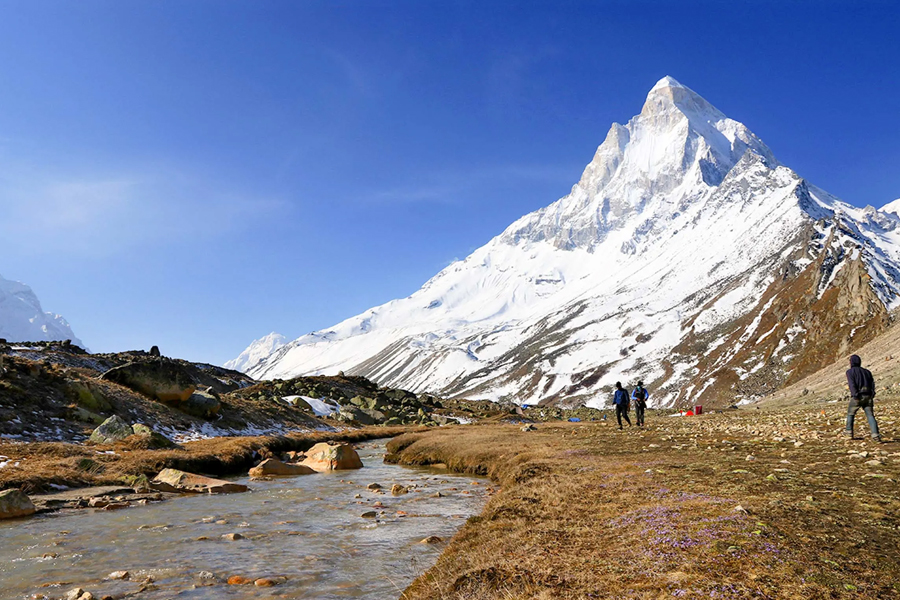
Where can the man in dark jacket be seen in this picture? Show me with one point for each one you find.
(862, 396)
(620, 400)
(639, 396)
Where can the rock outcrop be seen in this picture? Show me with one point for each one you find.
(160, 379)
(14, 503)
(332, 457)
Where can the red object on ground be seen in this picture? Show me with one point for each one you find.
(698, 410)
(689, 413)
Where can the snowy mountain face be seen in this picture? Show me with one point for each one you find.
(256, 352)
(892, 207)
(23, 320)
(686, 256)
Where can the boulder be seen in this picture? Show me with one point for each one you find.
(161, 379)
(376, 415)
(201, 404)
(332, 457)
(273, 466)
(173, 480)
(352, 413)
(14, 503)
(298, 402)
(157, 440)
(111, 430)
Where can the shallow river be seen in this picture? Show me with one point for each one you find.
(308, 529)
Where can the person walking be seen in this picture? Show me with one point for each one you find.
(620, 400)
(639, 396)
(862, 396)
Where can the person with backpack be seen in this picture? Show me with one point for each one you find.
(620, 400)
(639, 395)
(862, 396)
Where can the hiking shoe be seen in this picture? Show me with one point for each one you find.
(848, 435)
(876, 439)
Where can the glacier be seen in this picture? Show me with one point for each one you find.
(686, 256)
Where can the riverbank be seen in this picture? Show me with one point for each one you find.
(41, 467)
(742, 504)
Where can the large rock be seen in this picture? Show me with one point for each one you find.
(298, 402)
(161, 379)
(201, 404)
(332, 457)
(14, 503)
(173, 480)
(156, 440)
(352, 413)
(273, 466)
(111, 430)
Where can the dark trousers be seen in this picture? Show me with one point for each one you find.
(866, 403)
(639, 415)
(622, 411)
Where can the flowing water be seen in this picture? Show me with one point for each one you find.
(307, 529)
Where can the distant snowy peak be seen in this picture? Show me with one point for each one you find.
(256, 351)
(892, 207)
(23, 320)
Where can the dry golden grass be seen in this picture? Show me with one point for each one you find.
(76, 465)
(587, 511)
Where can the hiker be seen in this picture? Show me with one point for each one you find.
(621, 401)
(639, 395)
(862, 396)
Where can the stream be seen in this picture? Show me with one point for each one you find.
(307, 530)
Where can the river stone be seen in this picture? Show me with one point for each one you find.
(173, 480)
(398, 489)
(432, 539)
(273, 466)
(111, 430)
(332, 457)
(201, 404)
(14, 503)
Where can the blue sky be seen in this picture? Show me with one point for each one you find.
(198, 173)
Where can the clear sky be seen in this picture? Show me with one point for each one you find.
(198, 173)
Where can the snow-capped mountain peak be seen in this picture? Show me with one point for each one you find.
(23, 320)
(892, 207)
(256, 351)
(686, 256)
